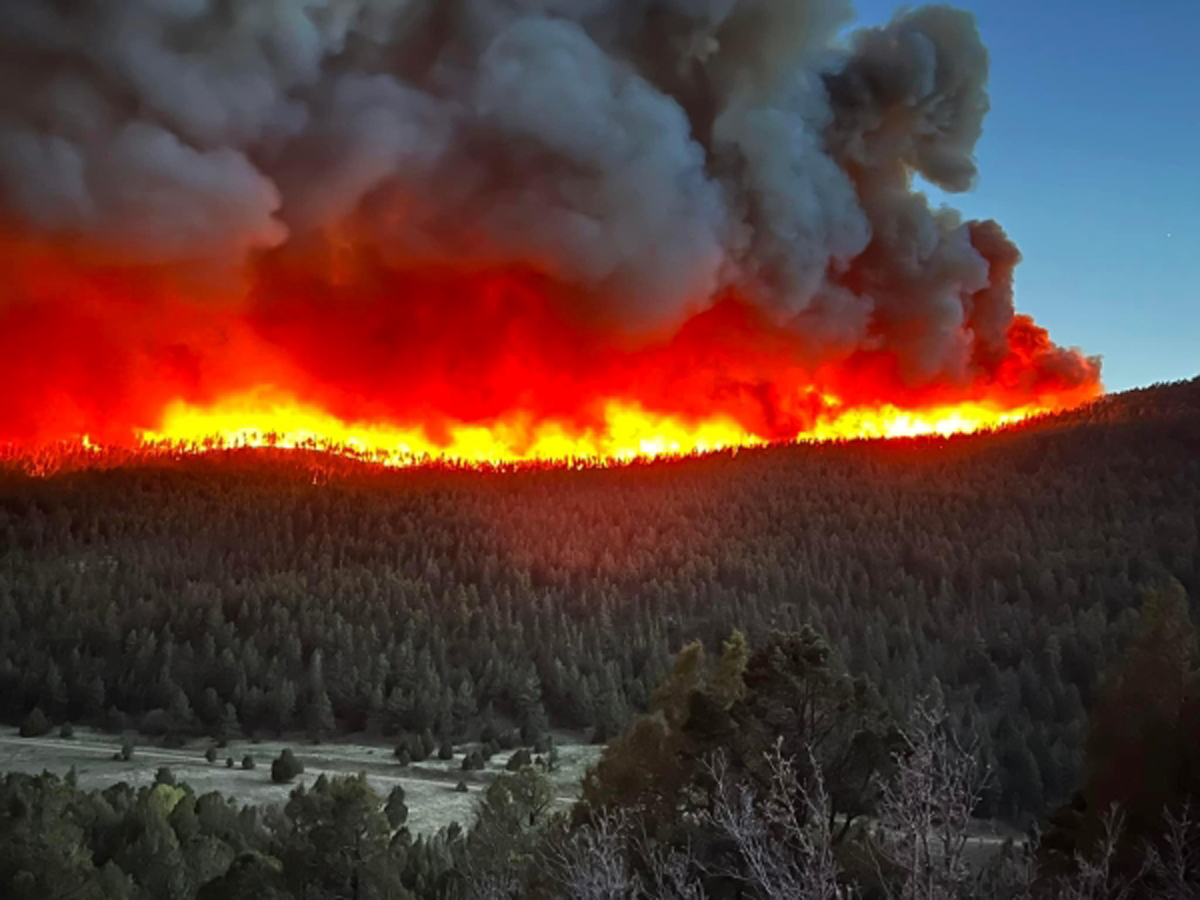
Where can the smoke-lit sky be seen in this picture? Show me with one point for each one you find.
(1091, 157)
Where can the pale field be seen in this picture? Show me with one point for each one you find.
(428, 786)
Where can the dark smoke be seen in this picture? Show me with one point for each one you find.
(650, 155)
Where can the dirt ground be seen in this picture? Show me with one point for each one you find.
(429, 786)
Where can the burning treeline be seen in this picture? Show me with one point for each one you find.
(501, 228)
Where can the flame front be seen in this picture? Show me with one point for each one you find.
(261, 420)
(625, 432)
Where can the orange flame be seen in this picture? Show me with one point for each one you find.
(261, 420)
(627, 432)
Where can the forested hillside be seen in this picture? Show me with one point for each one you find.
(263, 590)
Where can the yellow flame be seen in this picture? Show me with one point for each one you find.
(893, 422)
(627, 432)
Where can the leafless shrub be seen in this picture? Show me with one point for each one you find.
(492, 885)
(1094, 878)
(1173, 868)
(1012, 874)
(671, 874)
(592, 862)
(784, 839)
(925, 812)
(596, 861)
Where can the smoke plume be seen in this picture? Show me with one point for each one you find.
(437, 211)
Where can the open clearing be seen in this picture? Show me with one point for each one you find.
(429, 786)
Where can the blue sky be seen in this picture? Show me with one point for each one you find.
(1090, 159)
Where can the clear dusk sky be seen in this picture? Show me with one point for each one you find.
(1090, 159)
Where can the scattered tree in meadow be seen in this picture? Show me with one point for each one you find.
(35, 724)
(286, 767)
(395, 808)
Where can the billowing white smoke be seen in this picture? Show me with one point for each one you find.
(652, 150)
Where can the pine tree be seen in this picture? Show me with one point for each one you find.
(319, 716)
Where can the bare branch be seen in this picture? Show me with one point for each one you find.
(592, 862)
(1173, 870)
(925, 811)
(492, 885)
(1094, 878)
(785, 839)
(671, 874)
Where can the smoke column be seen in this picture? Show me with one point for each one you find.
(435, 213)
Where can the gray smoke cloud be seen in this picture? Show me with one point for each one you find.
(655, 151)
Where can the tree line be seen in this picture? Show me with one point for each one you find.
(763, 773)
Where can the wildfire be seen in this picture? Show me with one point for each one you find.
(891, 422)
(530, 243)
(508, 378)
(625, 432)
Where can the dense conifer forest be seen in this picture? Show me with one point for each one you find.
(815, 629)
(276, 591)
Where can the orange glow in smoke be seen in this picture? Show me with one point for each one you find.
(407, 364)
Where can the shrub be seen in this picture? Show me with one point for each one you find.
(428, 744)
(395, 808)
(418, 749)
(286, 767)
(446, 751)
(248, 763)
(229, 762)
(156, 723)
(115, 720)
(67, 731)
(473, 761)
(164, 776)
(211, 754)
(532, 733)
(36, 724)
(519, 760)
(461, 787)
(402, 755)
